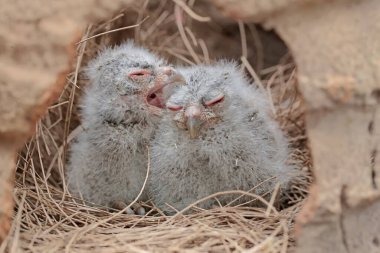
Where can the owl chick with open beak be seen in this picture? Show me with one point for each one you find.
(120, 111)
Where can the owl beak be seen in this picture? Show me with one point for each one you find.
(170, 76)
(167, 79)
(194, 126)
(174, 79)
(193, 121)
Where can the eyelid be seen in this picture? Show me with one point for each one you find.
(173, 107)
(140, 73)
(215, 101)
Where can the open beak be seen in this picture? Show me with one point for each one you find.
(193, 121)
(166, 80)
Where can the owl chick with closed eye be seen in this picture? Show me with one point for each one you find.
(120, 110)
(218, 135)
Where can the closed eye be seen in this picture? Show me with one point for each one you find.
(215, 101)
(140, 73)
(174, 107)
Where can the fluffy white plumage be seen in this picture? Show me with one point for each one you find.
(236, 144)
(108, 161)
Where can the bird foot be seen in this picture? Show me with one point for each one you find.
(136, 208)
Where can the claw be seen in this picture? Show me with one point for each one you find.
(120, 205)
(138, 209)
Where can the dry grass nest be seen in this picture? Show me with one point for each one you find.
(48, 219)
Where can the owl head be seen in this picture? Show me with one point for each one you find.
(127, 84)
(212, 94)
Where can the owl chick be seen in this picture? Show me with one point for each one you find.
(120, 110)
(217, 136)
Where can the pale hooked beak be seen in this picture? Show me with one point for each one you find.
(171, 75)
(193, 121)
(174, 79)
(166, 80)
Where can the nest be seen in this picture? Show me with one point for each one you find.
(48, 219)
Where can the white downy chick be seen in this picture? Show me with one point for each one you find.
(219, 136)
(120, 110)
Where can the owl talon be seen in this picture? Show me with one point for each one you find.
(138, 209)
(120, 205)
(129, 211)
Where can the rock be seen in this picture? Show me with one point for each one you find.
(37, 44)
(336, 48)
(257, 10)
